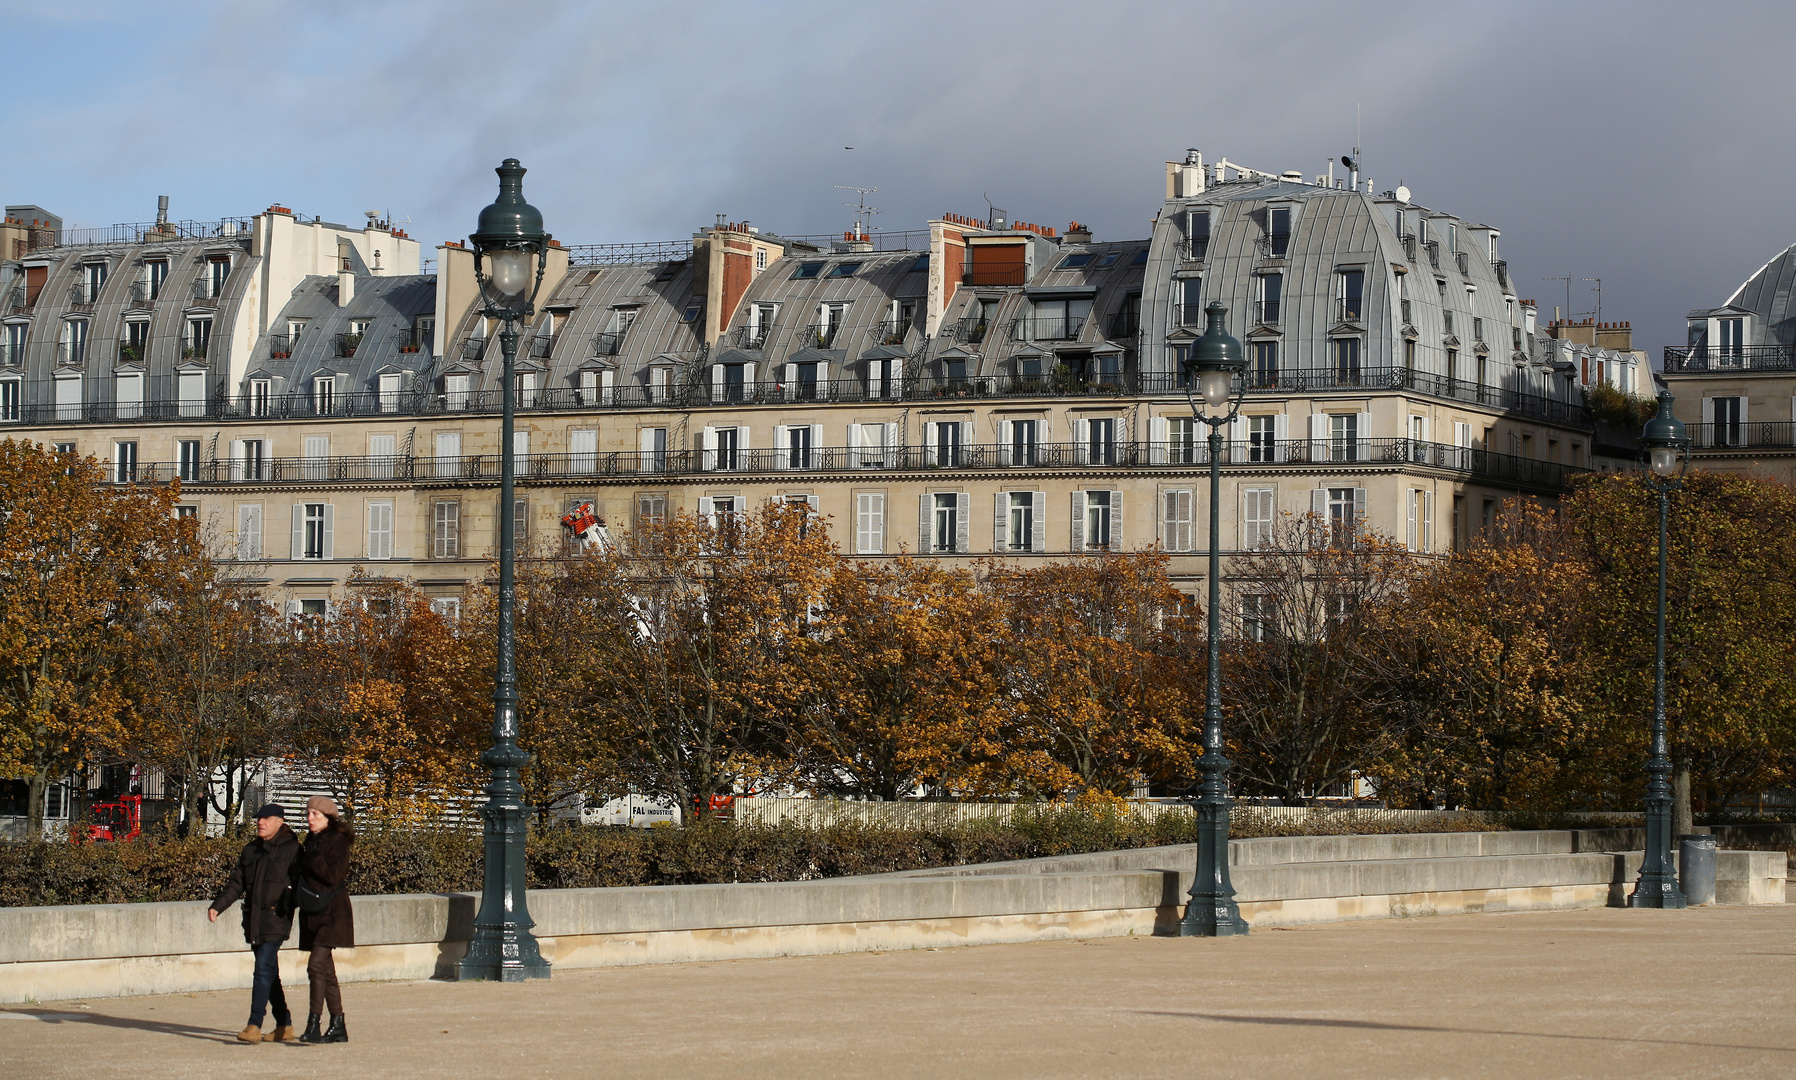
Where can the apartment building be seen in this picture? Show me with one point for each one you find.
(976, 388)
(1735, 378)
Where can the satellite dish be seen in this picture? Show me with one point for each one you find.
(1402, 193)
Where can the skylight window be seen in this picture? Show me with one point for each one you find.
(807, 270)
(1074, 262)
(1140, 258)
(1109, 259)
(922, 263)
(844, 269)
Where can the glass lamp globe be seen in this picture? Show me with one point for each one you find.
(510, 270)
(1664, 460)
(1214, 385)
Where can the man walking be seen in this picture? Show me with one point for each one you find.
(261, 879)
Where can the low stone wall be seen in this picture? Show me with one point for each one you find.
(106, 950)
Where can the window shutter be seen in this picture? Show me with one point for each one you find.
(1004, 442)
(1427, 521)
(1319, 503)
(645, 440)
(876, 378)
(293, 609)
(1362, 431)
(925, 519)
(249, 533)
(1318, 437)
(330, 520)
(1078, 523)
(790, 376)
(705, 509)
(1001, 522)
(742, 437)
(716, 382)
(963, 512)
(748, 379)
(238, 457)
(1236, 450)
(1281, 434)
(1156, 440)
(811, 501)
(1038, 536)
(966, 439)
(1116, 521)
(1427, 425)
(708, 443)
(1081, 441)
(889, 443)
(782, 447)
(299, 531)
(929, 437)
(607, 390)
(1359, 510)
(1414, 500)
(816, 444)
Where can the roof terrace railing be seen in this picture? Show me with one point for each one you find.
(1684, 359)
(650, 251)
(150, 232)
(990, 457)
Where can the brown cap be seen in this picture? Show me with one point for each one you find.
(325, 805)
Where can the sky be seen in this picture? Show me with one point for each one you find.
(1605, 140)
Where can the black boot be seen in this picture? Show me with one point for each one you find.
(337, 1033)
(311, 1035)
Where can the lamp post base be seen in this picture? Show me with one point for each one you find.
(505, 957)
(1660, 893)
(1212, 911)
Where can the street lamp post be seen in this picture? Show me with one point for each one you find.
(509, 239)
(1212, 368)
(1668, 455)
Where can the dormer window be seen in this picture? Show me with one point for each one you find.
(1074, 262)
(218, 270)
(324, 394)
(1278, 231)
(807, 270)
(155, 272)
(1197, 234)
(93, 278)
(261, 396)
(842, 270)
(1350, 286)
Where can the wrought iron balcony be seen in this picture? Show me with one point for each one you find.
(347, 344)
(1682, 359)
(80, 298)
(820, 335)
(1195, 248)
(1434, 254)
(280, 346)
(413, 340)
(473, 348)
(608, 343)
(970, 330)
(1349, 309)
(891, 331)
(203, 296)
(1045, 328)
(1409, 246)
(141, 297)
(133, 352)
(19, 301)
(1124, 325)
(1276, 246)
(751, 336)
(1755, 435)
(1267, 312)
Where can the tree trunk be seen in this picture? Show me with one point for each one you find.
(1681, 819)
(35, 784)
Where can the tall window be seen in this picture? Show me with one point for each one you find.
(74, 337)
(1345, 506)
(798, 447)
(93, 280)
(653, 446)
(324, 394)
(1343, 437)
(946, 523)
(1100, 446)
(12, 351)
(1191, 301)
(651, 509)
(380, 530)
(1197, 231)
(869, 523)
(871, 440)
(1350, 288)
(1733, 338)
(1020, 526)
(1278, 231)
(220, 271)
(445, 541)
(199, 339)
(1097, 519)
(1265, 364)
(188, 451)
(1727, 429)
(261, 396)
(1259, 616)
(1022, 441)
(313, 531)
(1181, 440)
(155, 272)
(1270, 288)
(1346, 361)
(947, 444)
(1175, 520)
(1262, 438)
(9, 399)
(124, 462)
(728, 440)
(1258, 506)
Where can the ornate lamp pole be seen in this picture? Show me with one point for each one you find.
(509, 239)
(1668, 455)
(1214, 363)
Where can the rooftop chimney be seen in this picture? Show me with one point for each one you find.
(161, 211)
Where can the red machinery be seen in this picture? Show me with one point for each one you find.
(584, 522)
(120, 819)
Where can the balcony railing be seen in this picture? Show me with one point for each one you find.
(1124, 326)
(80, 298)
(11, 355)
(819, 336)
(132, 352)
(71, 353)
(751, 337)
(1349, 309)
(1267, 311)
(990, 457)
(1758, 434)
(203, 296)
(541, 346)
(473, 348)
(1501, 266)
(971, 330)
(1409, 246)
(1038, 328)
(19, 302)
(413, 340)
(1273, 247)
(280, 347)
(347, 344)
(1680, 359)
(891, 331)
(608, 343)
(1464, 260)
(141, 296)
(1434, 253)
(1195, 248)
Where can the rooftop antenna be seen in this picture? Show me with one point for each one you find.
(1599, 298)
(861, 209)
(1567, 279)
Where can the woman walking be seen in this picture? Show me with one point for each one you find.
(323, 869)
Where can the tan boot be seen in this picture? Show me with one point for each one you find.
(251, 1034)
(283, 1033)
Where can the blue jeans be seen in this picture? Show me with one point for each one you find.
(266, 989)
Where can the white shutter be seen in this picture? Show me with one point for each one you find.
(1038, 536)
(1156, 437)
(520, 445)
(1236, 450)
(299, 531)
(889, 445)
(1427, 521)
(742, 434)
(812, 502)
(607, 387)
(708, 444)
(293, 609)
(854, 445)
(1078, 522)
(929, 437)
(748, 380)
(1319, 504)
(645, 440)
(1426, 425)
(816, 445)
(583, 448)
(966, 439)
(716, 382)
(1359, 510)
(876, 378)
(1362, 442)
(782, 447)
(1318, 437)
(238, 457)
(1001, 522)
(963, 513)
(925, 513)
(249, 533)
(1004, 442)
(1116, 520)
(330, 521)
(1414, 499)
(1281, 435)
(705, 510)
(869, 524)
(790, 377)
(1081, 441)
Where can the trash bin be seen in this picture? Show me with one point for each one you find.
(1696, 868)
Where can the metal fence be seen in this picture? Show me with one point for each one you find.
(914, 814)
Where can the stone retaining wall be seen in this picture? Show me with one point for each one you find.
(106, 950)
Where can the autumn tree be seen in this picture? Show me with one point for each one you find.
(1299, 681)
(1088, 699)
(903, 679)
(80, 562)
(391, 704)
(1731, 629)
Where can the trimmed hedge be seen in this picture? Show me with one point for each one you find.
(152, 869)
